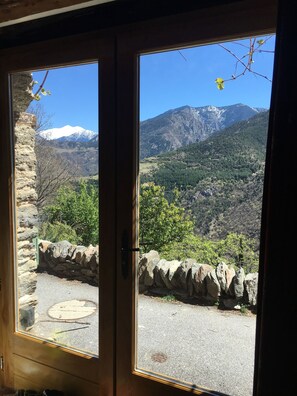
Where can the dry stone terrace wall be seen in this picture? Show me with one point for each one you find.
(189, 279)
(69, 261)
(186, 279)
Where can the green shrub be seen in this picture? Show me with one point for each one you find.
(239, 250)
(192, 246)
(79, 209)
(58, 232)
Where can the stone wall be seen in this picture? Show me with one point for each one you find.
(21, 92)
(185, 279)
(69, 261)
(26, 216)
(25, 196)
(189, 279)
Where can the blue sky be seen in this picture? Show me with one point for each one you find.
(167, 80)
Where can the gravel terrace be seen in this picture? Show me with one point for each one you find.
(197, 344)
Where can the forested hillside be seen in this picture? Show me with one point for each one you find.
(220, 179)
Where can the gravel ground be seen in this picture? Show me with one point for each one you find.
(196, 344)
(78, 333)
(203, 346)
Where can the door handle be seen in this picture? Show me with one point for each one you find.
(125, 251)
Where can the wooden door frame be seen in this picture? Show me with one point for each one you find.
(209, 25)
(52, 365)
(273, 373)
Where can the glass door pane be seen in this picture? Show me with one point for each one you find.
(202, 144)
(55, 119)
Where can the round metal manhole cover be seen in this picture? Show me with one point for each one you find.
(72, 309)
(159, 357)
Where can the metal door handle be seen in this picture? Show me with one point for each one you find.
(125, 251)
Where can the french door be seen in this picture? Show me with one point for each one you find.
(37, 363)
(41, 347)
(139, 368)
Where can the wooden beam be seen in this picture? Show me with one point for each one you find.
(11, 10)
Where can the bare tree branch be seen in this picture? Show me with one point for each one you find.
(52, 172)
(43, 119)
(246, 61)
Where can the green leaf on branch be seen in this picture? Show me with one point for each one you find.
(220, 83)
(45, 92)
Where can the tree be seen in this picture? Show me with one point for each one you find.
(79, 209)
(161, 222)
(43, 119)
(52, 173)
(239, 250)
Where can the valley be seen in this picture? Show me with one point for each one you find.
(213, 156)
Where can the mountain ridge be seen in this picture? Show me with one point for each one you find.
(186, 125)
(219, 178)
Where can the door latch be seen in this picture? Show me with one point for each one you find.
(125, 252)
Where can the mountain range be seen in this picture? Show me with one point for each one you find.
(215, 156)
(186, 125)
(166, 132)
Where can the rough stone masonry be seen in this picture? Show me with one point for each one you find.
(186, 279)
(26, 217)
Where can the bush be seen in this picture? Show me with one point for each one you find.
(193, 246)
(79, 209)
(58, 232)
(239, 250)
(236, 250)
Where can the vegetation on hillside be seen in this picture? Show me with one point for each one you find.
(216, 176)
(164, 226)
(202, 201)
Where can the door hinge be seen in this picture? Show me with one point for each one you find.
(2, 363)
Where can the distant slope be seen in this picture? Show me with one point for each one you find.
(220, 179)
(82, 157)
(185, 125)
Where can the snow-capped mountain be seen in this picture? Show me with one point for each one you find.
(68, 133)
